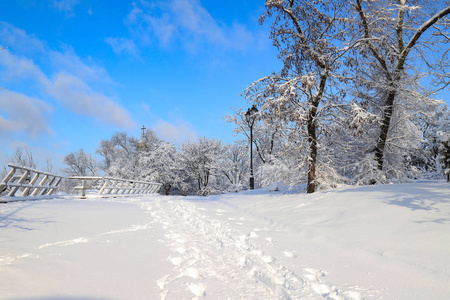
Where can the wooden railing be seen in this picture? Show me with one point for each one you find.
(23, 181)
(118, 186)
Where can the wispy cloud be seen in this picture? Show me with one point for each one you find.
(123, 46)
(23, 114)
(64, 5)
(75, 94)
(70, 81)
(185, 23)
(177, 133)
(175, 128)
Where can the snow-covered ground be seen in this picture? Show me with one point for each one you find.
(376, 242)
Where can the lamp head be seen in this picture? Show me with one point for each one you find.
(253, 110)
(250, 114)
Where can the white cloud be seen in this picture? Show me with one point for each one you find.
(65, 5)
(72, 83)
(20, 113)
(176, 133)
(73, 93)
(123, 45)
(185, 22)
(20, 68)
(69, 61)
(20, 41)
(192, 18)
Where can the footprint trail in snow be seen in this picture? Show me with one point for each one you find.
(214, 259)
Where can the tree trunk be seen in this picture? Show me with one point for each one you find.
(312, 138)
(167, 188)
(387, 116)
(311, 187)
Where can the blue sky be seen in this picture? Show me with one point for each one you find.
(76, 71)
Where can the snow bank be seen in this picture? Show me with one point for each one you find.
(389, 242)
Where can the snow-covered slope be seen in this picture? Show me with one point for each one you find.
(377, 242)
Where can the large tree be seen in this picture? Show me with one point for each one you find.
(312, 42)
(404, 44)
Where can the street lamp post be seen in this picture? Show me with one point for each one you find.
(250, 118)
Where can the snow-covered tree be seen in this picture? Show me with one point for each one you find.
(402, 46)
(23, 156)
(201, 161)
(234, 166)
(312, 42)
(80, 163)
(273, 155)
(159, 161)
(267, 133)
(443, 139)
(148, 158)
(120, 155)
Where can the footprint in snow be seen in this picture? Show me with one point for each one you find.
(253, 234)
(177, 261)
(162, 281)
(198, 290)
(321, 273)
(321, 289)
(353, 295)
(181, 250)
(192, 272)
(290, 254)
(267, 258)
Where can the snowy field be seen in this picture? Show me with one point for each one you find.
(376, 242)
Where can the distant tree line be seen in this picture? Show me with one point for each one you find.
(203, 167)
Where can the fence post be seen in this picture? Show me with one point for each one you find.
(50, 190)
(83, 190)
(26, 190)
(36, 190)
(104, 186)
(14, 189)
(8, 177)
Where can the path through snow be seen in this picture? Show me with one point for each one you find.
(222, 258)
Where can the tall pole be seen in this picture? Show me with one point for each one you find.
(252, 179)
(250, 118)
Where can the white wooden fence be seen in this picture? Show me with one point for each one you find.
(118, 187)
(23, 182)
